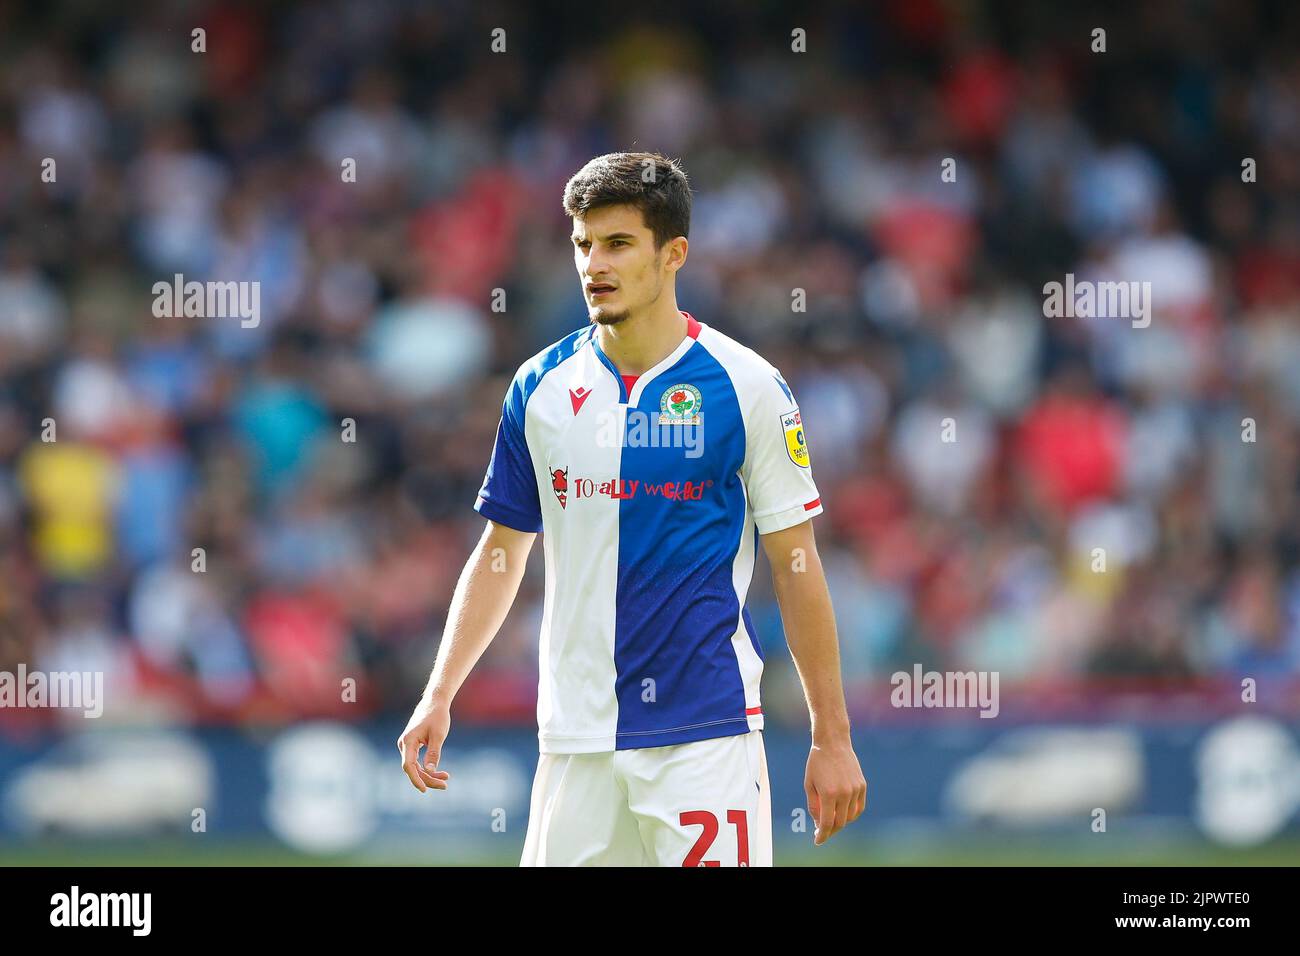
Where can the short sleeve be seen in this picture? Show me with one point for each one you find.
(509, 492)
(777, 471)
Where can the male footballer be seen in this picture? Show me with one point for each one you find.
(655, 452)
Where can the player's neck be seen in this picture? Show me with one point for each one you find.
(643, 340)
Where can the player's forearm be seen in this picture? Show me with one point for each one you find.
(483, 596)
(809, 620)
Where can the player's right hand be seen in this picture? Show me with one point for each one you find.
(428, 728)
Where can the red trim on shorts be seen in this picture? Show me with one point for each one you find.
(812, 504)
(750, 711)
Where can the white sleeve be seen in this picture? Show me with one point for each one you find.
(777, 471)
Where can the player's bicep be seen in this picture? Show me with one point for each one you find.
(783, 547)
(516, 544)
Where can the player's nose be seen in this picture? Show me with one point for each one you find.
(596, 267)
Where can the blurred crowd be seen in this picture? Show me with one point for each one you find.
(233, 521)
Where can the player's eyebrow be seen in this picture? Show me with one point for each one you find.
(609, 238)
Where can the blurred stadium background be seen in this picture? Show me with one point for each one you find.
(819, 171)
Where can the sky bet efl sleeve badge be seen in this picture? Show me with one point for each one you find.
(792, 424)
(680, 405)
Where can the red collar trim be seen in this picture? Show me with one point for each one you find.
(692, 326)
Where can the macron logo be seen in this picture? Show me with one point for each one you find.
(577, 396)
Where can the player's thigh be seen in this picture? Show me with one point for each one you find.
(578, 815)
(704, 803)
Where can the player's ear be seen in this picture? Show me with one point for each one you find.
(675, 253)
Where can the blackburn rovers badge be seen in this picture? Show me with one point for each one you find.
(680, 405)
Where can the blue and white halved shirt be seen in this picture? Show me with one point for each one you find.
(650, 492)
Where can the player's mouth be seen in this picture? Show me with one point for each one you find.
(597, 289)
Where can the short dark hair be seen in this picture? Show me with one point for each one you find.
(651, 182)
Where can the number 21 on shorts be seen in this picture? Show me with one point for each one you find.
(705, 819)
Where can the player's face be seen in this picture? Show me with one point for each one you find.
(619, 269)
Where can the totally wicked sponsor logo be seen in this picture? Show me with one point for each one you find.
(566, 488)
(560, 485)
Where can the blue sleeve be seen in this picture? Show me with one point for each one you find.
(509, 492)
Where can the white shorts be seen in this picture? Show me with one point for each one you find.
(704, 803)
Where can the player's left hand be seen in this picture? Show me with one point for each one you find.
(836, 788)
